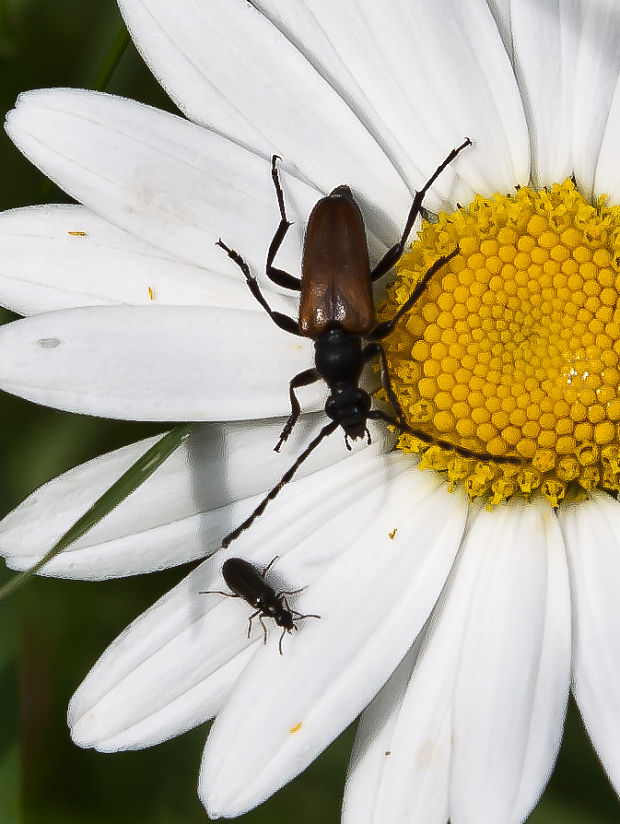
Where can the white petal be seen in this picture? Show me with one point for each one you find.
(592, 530)
(512, 685)
(347, 45)
(379, 59)
(545, 48)
(171, 183)
(412, 784)
(181, 513)
(439, 52)
(596, 79)
(500, 9)
(254, 85)
(155, 363)
(63, 256)
(174, 665)
(400, 761)
(607, 176)
(168, 671)
(372, 599)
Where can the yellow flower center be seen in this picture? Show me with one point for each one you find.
(513, 347)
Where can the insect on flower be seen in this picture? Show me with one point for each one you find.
(337, 311)
(248, 582)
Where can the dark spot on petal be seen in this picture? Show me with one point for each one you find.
(49, 343)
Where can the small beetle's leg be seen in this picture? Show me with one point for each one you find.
(325, 431)
(303, 379)
(250, 619)
(393, 255)
(382, 330)
(280, 642)
(373, 350)
(269, 565)
(283, 321)
(379, 415)
(283, 593)
(279, 276)
(294, 611)
(262, 623)
(300, 616)
(285, 600)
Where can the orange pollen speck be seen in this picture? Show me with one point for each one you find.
(296, 728)
(512, 350)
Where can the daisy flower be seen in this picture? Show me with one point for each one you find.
(458, 603)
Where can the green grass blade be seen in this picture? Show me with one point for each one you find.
(135, 476)
(105, 73)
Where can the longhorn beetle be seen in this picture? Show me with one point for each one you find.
(337, 311)
(248, 582)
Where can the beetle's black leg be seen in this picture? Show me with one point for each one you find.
(262, 623)
(300, 616)
(250, 619)
(373, 350)
(325, 431)
(279, 276)
(269, 565)
(393, 255)
(303, 379)
(283, 321)
(382, 330)
(379, 415)
(218, 592)
(286, 592)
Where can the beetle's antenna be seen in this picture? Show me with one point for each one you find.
(327, 430)
(379, 415)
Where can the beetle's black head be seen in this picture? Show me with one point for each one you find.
(342, 191)
(349, 407)
(284, 618)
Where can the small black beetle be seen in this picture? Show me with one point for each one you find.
(248, 582)
(337, 311)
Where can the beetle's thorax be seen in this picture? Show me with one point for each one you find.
(338, 356)
(268, 603)
(339, 361)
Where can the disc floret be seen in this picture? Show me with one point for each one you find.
(513, 348)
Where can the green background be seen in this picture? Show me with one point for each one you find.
(51, 632)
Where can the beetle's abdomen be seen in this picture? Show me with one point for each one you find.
(335, 279)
